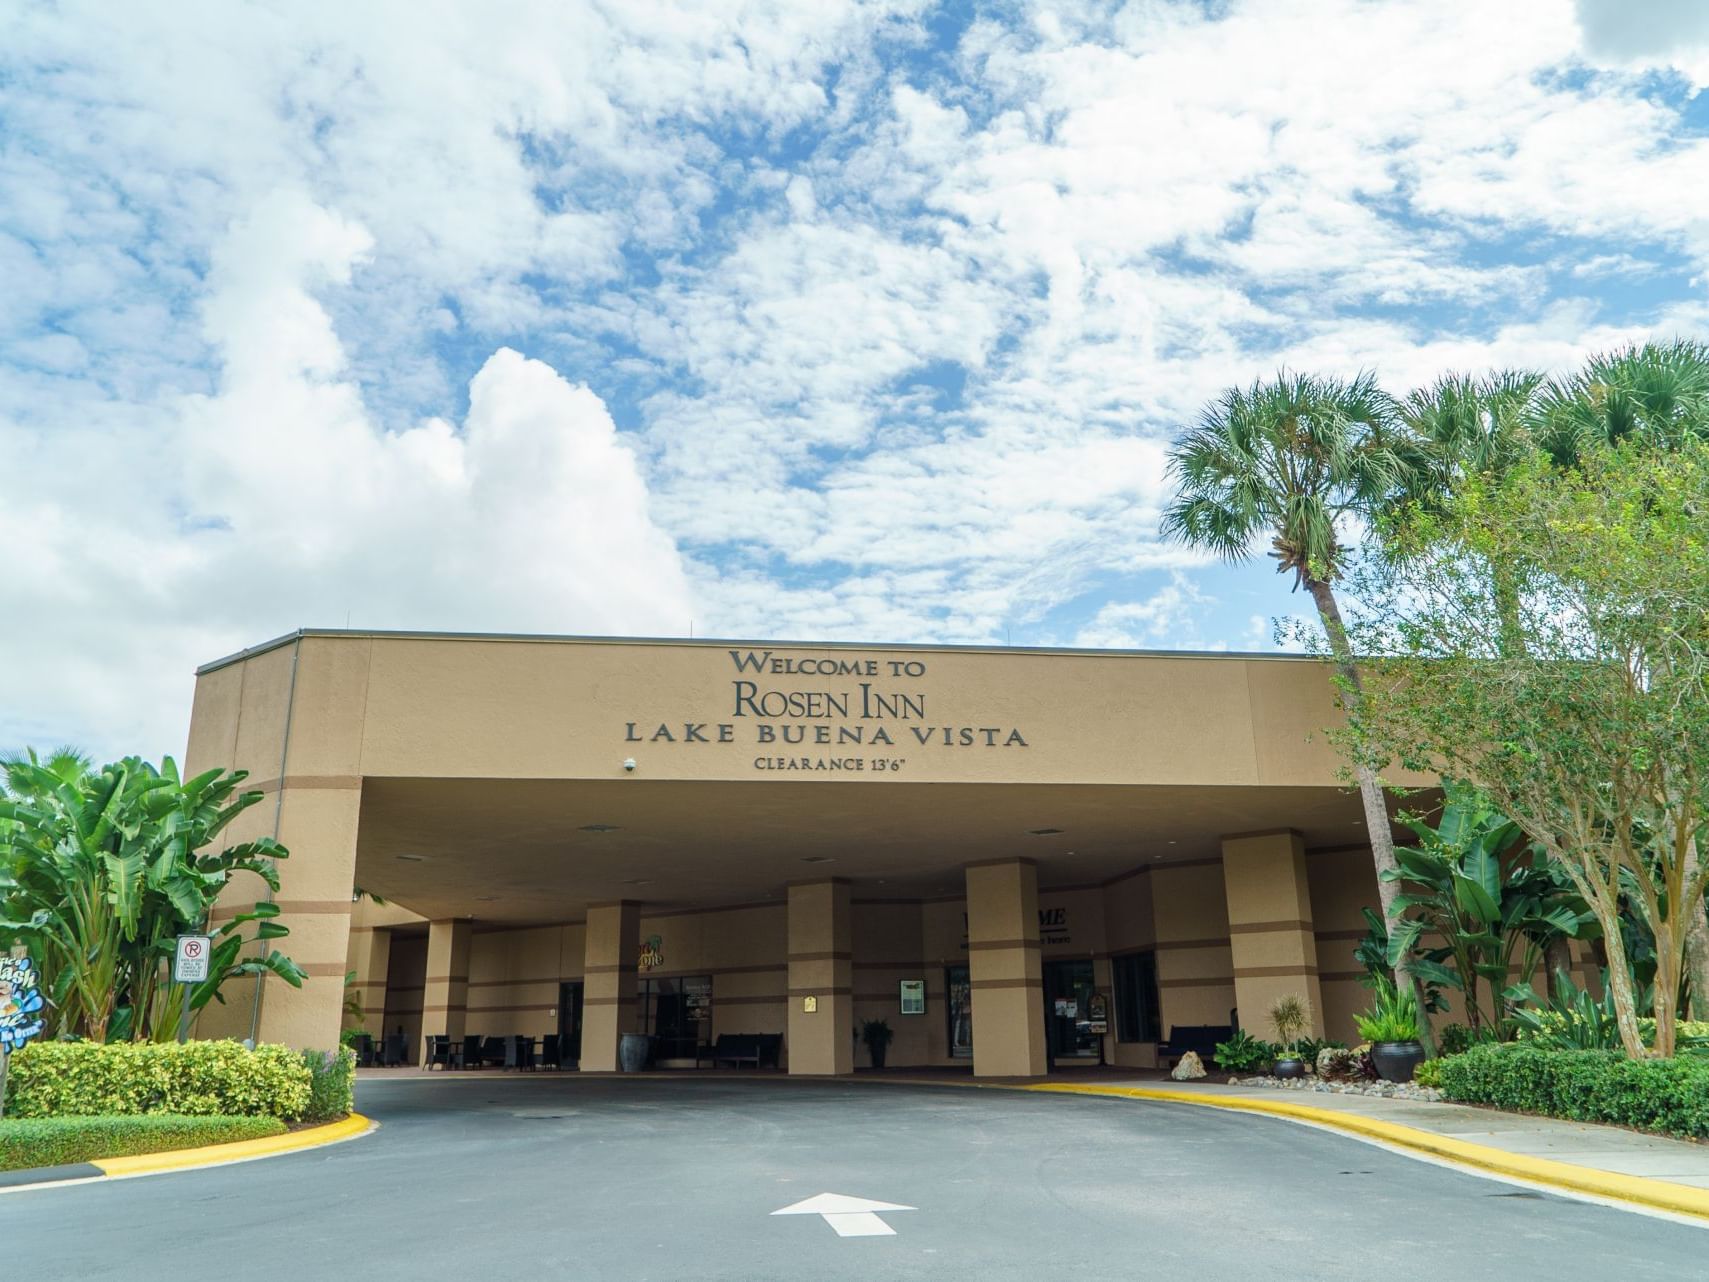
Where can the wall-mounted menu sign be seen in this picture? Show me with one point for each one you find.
(912, 996)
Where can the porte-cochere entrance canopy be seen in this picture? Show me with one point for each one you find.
(1008, 855)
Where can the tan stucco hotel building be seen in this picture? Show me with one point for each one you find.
(588, 837)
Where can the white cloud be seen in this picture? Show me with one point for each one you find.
(896, 336)
(277, 500)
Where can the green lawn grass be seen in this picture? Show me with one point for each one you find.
(52, 1141)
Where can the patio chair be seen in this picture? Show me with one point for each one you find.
(438, 1052)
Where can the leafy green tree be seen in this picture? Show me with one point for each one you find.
(1299, 460)
(1594, 735)
(100, 871)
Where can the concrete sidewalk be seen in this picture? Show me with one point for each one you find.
(1582, 1144)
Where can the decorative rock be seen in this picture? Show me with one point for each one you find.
(1189, 1068)
(1383, 1090)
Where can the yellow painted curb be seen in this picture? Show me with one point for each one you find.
(1679, 1199)
(237, 1151)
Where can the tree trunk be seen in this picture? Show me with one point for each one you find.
(1696, 940)
(1377, 826)
(1557, 961)
(1625, 1003)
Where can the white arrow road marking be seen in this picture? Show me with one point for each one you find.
(849, 1216)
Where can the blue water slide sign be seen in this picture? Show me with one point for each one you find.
(20, 1002)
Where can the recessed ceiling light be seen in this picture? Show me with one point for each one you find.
(1170, 843)
(414, 859)
(1044, 832)
(599, 827)
(818, 859)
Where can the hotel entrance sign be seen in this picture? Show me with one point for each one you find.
(847, 713)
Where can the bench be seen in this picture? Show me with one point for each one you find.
(761, 1050)
(1199, 1038)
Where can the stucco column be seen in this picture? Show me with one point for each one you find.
(1004, 967)
(608, 979)
(1269, 927)
(371, 956)
(445, 1001)
(821, 967)
(316, 821)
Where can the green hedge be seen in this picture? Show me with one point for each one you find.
(332, 1090)
(54, 1141)
(1667, 1095)
(199, 1079)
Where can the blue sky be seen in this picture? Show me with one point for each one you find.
(849, 321)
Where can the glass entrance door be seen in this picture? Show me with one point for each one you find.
(1068, 992)
(570, 1023)
(958, 1008)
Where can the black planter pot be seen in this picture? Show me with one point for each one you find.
(876, 1050)
(1290, 1066)
(1397, 1061)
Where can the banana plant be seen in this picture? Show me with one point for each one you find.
(1473, 883)
(101, 871)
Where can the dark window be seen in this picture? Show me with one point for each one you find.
(678, 1012)
(1136, 997)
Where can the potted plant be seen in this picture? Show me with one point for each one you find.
(1391, 1027)
(876, 1033)
(1291, 1017)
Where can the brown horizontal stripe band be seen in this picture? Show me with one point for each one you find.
(989, 945)
(298, 907)
(507, 1010)
(1273, 972)
(980, 984)
(1341, 934)
(309, 781)
(1173, 864)
(620, 968)
(447, 979)
(404, 988)
(749, 1001)
(909, 965)
(324, 970)
(817, 992)
(1265, 927)
(1212, 981)
(1163, 945)
(606, 1001)
(1343, 976)
(815, 957)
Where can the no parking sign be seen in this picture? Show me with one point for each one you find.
(190, 964)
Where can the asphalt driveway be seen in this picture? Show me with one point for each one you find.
(513, 1177)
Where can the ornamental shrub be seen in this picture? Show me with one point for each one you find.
(332, 1085)
(1428, 1073)
(54, 1141)
(1666, 1095)
(198, 1079)
(1244, 1053)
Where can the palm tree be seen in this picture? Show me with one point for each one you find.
(1479, 427)
(1657, 391)
(1299, 459)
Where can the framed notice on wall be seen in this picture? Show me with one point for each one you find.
(912, 996)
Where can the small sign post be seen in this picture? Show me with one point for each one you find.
(189, 967)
